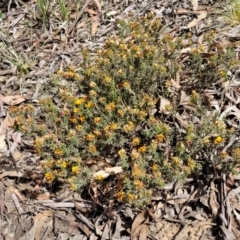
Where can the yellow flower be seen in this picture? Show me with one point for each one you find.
(191, 163)
(137, 171)
(58, 151)
(73, 120)
(64, 165)
(71, 133)
(109, 107)
(92, 84)
(138, 183)
(176, 160)
(79, 127)
(97, 133)
(120, 196)
(89, 104)
(135, 155)
(129, 126)
(113, 126)
(120, 72)
(75, 169)
(99, 177)
(90, 137)
(92, 93)
(155, 167)
(79, 101)
(82, 118)
(49, 176)
(122, 153)
(97, 119)
(218, 140)
(126, 85)
(75, 110)
(135, 141)
(160, 138)
(107, 79)
(142, 149)
(142, 115)
(153, 120)
(120, 112)
(130, 197)
(92, 148)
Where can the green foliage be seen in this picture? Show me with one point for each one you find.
(117, 112)
(232, 14)
(63, 9)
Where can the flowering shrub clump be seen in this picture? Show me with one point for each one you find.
(117, 111)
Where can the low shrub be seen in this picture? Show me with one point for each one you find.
(127, 104)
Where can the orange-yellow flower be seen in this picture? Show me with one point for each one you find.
(138, 171)
(136, 141)
(135, 154)
(75, 169)
(155, 167)
(218, 140)
(90, 137)
(160, 138)
(99, 177)
(142, 114)
(97, 119)
(79, 127)
(109, 107)
(92, 84)
(142, 149)
(191, 163)
(120, 112)
(58, 151)
(113, 126)
(73, 120)
(126, 85)
(92, 93)
(82, 118)
(49, 176)
(138, 183)
(97, 133)
(92, 148)
(64, 165)
(79, 101)
(129, 126)
(89, 104)
(107, 79)
(120, 196)
(176, 160)
(122, 153)
(75, 110)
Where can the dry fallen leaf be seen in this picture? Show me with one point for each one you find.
(3, 144)
(12, 100)
(107, 172)
(138, 224)
(7, 122)
(196, 21)
(164, 104)
(95, 23)
(194, 4)
(213, 202)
